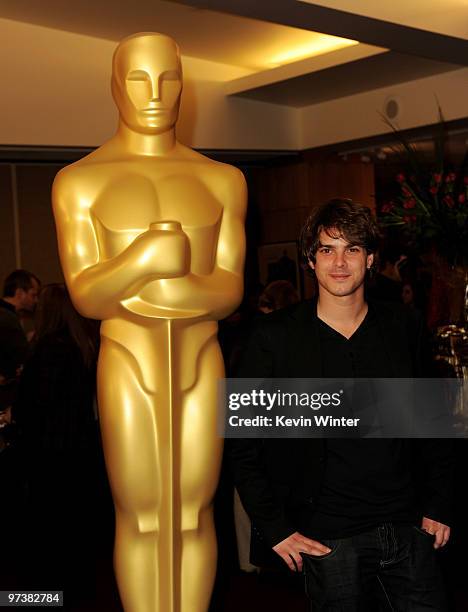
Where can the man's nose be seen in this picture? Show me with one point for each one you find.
(155, 90)
(339, 259)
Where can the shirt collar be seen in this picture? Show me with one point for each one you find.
(7, 306)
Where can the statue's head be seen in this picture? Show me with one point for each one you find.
(147, 82)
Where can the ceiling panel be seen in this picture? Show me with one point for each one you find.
(205, 34)
(372, 30)
(382, 70)
(257, 36)
(448, 17)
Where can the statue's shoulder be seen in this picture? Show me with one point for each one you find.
(74, 170)
(83, 171)
(66, 179)
(226, 175)
(230, 173)
(83, 177)
(220, 169)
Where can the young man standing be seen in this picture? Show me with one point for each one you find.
(361, 518)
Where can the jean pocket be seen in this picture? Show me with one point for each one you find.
(319, 572)
(333, 544)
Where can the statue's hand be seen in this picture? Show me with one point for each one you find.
(163, 252)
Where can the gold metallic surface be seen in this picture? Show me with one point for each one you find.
(151, 241)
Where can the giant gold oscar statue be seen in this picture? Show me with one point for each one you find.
(151, 242)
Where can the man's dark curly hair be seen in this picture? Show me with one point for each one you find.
(340, 218)
(18, 279)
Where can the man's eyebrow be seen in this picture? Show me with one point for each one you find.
(332, 246)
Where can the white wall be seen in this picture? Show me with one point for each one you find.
(50, 95)
(56, 91)
(358, 116)
(236, 123)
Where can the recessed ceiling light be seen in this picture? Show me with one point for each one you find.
(319, 45)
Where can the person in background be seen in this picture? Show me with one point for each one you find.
(57, 420)
(386, 283)
(278, 294)
(415, 283)
(20, 293)
(407, 295)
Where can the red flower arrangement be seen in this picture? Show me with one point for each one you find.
(432, 204)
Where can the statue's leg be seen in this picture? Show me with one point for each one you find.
(200, 461)
(130, 445)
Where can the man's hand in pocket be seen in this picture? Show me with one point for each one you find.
(291, 548)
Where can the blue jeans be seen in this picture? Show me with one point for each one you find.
(389, 568)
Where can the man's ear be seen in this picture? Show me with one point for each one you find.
(311, 264)
(370, 261)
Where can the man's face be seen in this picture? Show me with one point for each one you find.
(147, 83)
(27, 299)
(340, 267)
